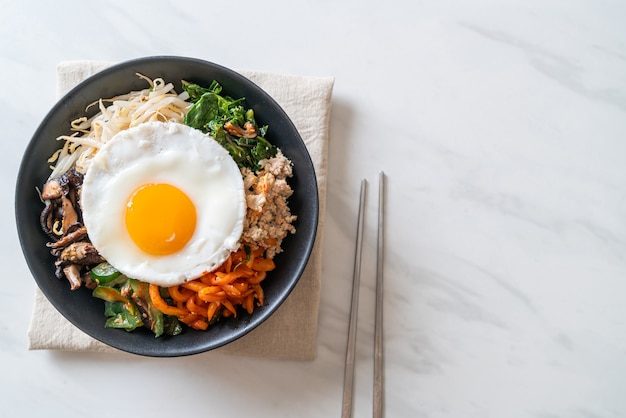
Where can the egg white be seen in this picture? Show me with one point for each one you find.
(183, 157)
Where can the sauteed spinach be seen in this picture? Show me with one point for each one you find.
(229, 122)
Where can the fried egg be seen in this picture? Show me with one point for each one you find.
(163, 203)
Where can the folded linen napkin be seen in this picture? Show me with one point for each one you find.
(291, 332)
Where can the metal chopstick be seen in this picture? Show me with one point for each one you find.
(378, 321)
(348, 379)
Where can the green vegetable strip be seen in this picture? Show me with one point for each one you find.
(122, 311)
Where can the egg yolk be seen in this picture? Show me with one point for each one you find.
(160, 218)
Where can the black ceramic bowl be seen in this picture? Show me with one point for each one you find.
(85, 311)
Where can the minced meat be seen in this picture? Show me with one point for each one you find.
(268, 218)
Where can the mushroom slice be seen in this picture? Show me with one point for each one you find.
(72, 274)
(52, 189)
(69, 238)
(83, 253)
(70, 217)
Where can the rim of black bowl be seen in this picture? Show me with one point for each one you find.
(85, 311)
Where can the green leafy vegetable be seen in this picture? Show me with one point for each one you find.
(195, 91)
(128, 306)
(119, 310)
(230, 123)
(171, 325)
(202, 112)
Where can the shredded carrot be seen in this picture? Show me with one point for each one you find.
(228, 264)
(160, 303)
(206, 279)
(232, 291)
(235, 283)
(260, 295)
(189, 318)
(194, 285)
(260, 276)
(227, 278)
(229, 307)
(240, 286)
(210, 290)
(248, 303)
(213, 297)
(199, 324)
(195, 307)
(263, 264)
(212, 310)
(179, 295)
(195, 321)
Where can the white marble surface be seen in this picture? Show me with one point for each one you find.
(502, 128)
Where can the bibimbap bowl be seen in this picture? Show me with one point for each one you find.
(79, 306)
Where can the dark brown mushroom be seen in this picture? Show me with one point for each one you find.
(72, 182)
(73, 260)
(70, 216)
(82, 253)
(52, 190)
(46, 219)
(144, 311)
(61, 220)
(62, 210)
(75, 233)
(72, 274)
(88, 281)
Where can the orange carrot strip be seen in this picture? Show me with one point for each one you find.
(231, 290)
(206, 279)
(240, 286)
(194, 285)
(263, 264)
(260, 295)
(248, 303)
(227, 278)
(161, 305)
(236, 259)
(229, 306)
(258, 278)
(245, 270)
(210, 290)
(189, 318)
(199, 324)
(215, 297)
(195, 308)
(228, 264)
(212, 310)
(211, 294)
(178, 295)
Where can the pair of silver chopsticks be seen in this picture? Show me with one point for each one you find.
(348, 383)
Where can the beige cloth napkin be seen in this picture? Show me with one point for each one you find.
(290, 333)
